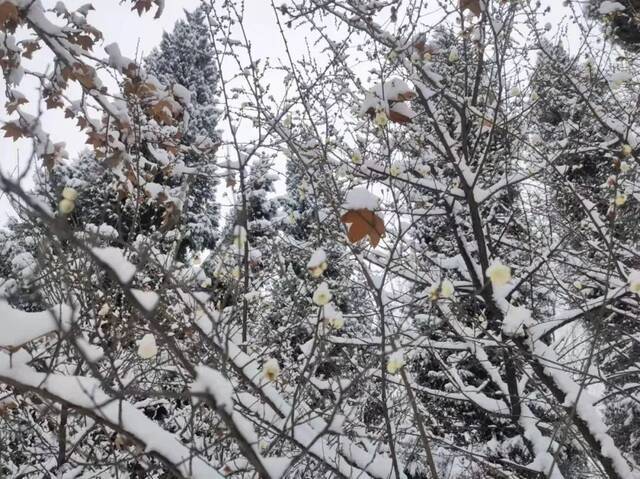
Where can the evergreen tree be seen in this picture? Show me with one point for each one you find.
(185, 57)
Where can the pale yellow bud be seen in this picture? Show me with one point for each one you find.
(499, 274)
(66, 206)
(271, 369)
(322, 295)
(69, 193)
(381, 119)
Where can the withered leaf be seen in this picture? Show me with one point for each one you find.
(13, 130)
(363, 222)
(142, 6)
(30, 46)
(9, 15)
(473, 5)
(13, 105)
(398, 117)
(161, 112)
(96, 139)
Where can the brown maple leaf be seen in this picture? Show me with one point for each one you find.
(398, 117)
(162, 113)
(13, 130)
(13, 105)
(9, 16)
(363, 223)
(142, 6)
(473, 5)
(29, 47)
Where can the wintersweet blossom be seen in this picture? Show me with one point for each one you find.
(515, 91)
(627, 150)
(69, 193)
(454, 56)
(337, 322)
(621, 199)
(147, 347)
(317, 263)
(395, 170)
(395, 362)
(499, 274)
(444, 289)
(634, 282)
(381, 119)
(322, 295)
(625, 167)
(356, 158)
(271, 369)
(239, 236)
(333, 316)
(66, 206)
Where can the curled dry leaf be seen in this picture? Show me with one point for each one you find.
(13, 130)
(363, 222)
(9, 16)
(473, 5)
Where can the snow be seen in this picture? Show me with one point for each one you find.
(103, 231)
(317, 258)
(608, 7)
(182, 93)
(514, 321)
(147, 347)
(147, 299)
(583, 402)
(87, 395)
(116, 59)
(211, 382)
(19, 327)
(620, 77)
(394, 90)
(114, 259)
(361, 198)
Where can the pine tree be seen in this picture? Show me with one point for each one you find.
(185, 57)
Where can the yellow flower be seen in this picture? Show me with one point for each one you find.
(381, 119)
(239, 236)
(499, 274)
(322, 295)
(454, 56)
(317, 271)
(634, 282)
(626, 150)
(356, 158)
(333, 316)
(66, 206)
(621, 199)
(271, 369)
(395, 362)
(337, 322)
(395, 170)
(69, 193)
(446, 289)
